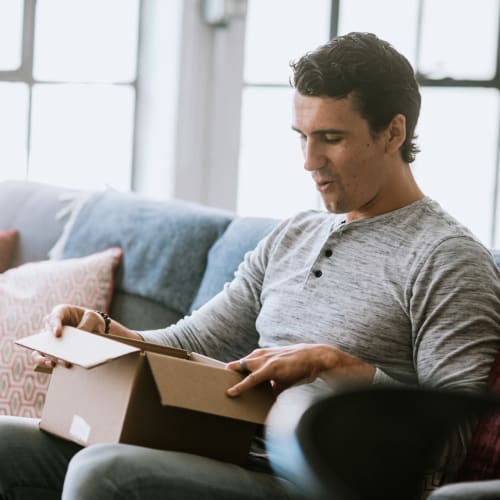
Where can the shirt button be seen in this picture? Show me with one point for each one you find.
(318, 273)
(328, 252)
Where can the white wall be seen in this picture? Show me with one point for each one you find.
(188, 128)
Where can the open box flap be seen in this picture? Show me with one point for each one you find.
(201, 386)
(146, 346)
(77, 347)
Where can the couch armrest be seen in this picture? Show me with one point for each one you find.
(473, 490)
(32, 208)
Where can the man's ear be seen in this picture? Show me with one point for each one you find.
(396, 134)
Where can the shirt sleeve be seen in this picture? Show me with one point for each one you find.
(225, 327)
(455, 313)
(455, 316)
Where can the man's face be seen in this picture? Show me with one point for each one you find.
(346, 162)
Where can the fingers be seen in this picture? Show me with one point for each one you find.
(259, 366)
(53, 322)
(240, 365)
(60, 316)
(282, 366)
(248, 382)
(41, 360)
(49, 362)
(256, 358)
(245, 366)
(68, 315)
(92, 321)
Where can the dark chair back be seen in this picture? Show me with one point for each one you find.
(376, 443)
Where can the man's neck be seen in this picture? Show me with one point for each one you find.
(402, 190)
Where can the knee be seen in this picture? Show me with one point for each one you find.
(33, 463)
(90, 473)
(16, 437)
(17, 429)
(19, 437)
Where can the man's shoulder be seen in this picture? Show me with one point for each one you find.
(430, 223)
(440, 237)
(416, 233)
(437, 217)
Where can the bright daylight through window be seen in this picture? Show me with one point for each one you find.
(456, 62)
(67, 91)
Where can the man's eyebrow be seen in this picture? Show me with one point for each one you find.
(323, 131)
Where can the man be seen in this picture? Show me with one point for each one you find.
(382, 293)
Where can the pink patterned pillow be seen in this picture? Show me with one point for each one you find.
(8, 242)
(27, 294)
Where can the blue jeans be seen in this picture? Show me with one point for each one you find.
(35, 465)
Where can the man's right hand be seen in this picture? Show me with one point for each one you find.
(68, 315)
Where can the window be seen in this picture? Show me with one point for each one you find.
(458, 125)
(454, 47)
(11, 24)
(67, 90)
(271, 179)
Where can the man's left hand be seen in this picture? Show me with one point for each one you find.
(299, 364)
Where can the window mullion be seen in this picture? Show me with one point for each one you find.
(26, 70)
(135, 85)
(452, 82)
(334, 18)
(496, 200)
(27, 66)
(497, 73)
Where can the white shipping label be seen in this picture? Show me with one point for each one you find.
(80, 429)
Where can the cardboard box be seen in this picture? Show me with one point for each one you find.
(124, 391)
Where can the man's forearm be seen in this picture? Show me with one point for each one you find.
(339, 367)
(119, 330)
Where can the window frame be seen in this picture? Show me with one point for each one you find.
(24, 74)
(425, 81)
(449, 82)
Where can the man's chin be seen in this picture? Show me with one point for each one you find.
(333, 207)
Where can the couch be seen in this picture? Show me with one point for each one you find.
(174, 257)
(148, 263)
(197, 248)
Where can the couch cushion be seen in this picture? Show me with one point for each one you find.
(27, 294)
(165, 244)
(139, 313)
(32, 208)
(225, 256)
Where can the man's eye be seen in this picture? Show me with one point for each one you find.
(329, 139)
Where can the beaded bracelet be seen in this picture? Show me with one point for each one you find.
(107, 321)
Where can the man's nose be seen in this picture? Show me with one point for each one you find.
(314, 159)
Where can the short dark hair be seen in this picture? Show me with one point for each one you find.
(381, 80)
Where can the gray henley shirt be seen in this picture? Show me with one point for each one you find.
(411, 292)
